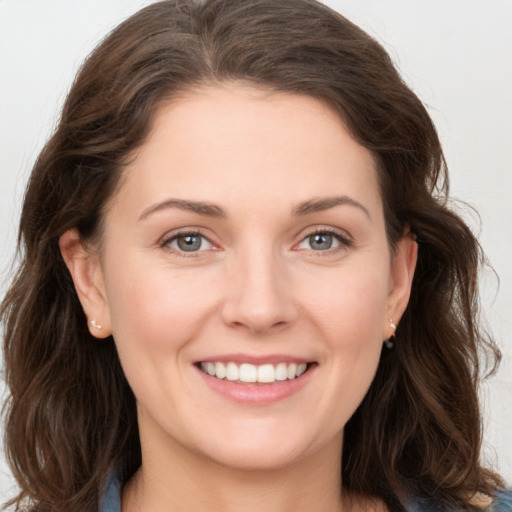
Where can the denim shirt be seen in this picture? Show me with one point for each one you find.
(111, 501)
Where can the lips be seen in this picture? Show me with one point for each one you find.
(256, 379)
(266, 373)
(251, 391)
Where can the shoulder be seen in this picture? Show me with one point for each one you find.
(111, 499)
(502, 502)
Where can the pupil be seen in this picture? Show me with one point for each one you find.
(320, 241)
(189, 243)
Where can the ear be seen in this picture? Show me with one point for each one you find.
(85, 269)
(402, 273)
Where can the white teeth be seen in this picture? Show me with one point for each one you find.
(210, 368)
(220, 370)
(301, 368)
(232, 372)
(248, 373)
(291, 371)
(265, 373)
(281, 371)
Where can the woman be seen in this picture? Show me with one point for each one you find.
(241, 286)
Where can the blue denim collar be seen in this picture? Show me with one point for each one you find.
(111, 500)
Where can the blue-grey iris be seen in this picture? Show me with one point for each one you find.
(189, 243)
(320, 241)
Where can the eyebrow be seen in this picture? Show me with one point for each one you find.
(213, 210)
(325, 203)
(199, 207)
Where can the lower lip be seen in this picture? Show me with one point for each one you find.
(257, 394)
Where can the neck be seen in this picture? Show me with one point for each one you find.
(179, 480)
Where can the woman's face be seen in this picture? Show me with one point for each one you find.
(247, 242)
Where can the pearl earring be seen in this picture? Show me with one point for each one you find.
(95, 324)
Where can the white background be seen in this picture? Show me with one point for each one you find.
(456, 54)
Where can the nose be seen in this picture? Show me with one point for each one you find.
(259, 294)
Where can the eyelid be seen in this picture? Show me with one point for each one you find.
(342, 236)
(166, 240)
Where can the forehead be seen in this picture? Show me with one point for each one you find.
(240, 143)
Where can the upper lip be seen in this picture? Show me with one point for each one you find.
(254, 359)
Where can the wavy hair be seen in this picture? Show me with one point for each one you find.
(71, 417)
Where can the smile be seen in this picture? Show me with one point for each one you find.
(250, 373)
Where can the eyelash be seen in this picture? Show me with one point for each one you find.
(343, 239)
(165, 243)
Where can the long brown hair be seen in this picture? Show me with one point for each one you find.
(71, 418)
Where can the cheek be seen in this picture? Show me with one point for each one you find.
(349, 311)
(159, 309)
(350, 304)
(156, 315)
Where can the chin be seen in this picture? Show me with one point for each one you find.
(265, 449)
(256, 458)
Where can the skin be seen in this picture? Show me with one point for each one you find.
(257, 287)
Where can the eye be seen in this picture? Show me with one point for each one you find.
(188, 242)
(323, 240)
